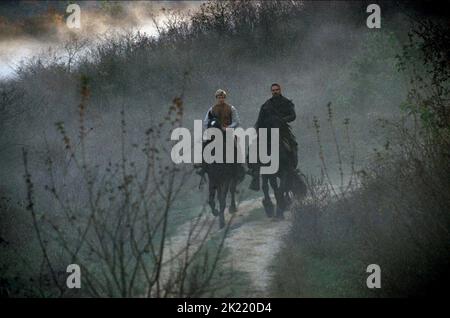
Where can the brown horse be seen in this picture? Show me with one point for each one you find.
(222, 178)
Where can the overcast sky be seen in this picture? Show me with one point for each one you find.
(30, 27)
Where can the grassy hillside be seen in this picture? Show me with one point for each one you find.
(394, 212)
(91, 124)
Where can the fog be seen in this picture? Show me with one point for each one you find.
(97, 104)
(328, 60)
(21, 44)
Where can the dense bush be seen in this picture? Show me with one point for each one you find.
(397, 213)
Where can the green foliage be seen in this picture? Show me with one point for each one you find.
(426, 57)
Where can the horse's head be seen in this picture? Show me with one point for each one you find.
(213, 121)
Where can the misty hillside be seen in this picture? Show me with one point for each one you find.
(319, 53)
(85, 160)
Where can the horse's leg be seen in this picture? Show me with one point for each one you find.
(278, 196)
(233, 207)
(267, 203)
(212, 194)
(222, 194)
(285, 185)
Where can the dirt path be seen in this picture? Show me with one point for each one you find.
(252, 244)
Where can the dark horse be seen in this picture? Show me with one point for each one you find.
(287, 183)
(222, 178)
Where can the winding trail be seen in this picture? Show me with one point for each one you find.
(253, 245)
(252, 242)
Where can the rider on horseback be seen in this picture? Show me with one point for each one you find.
(225, 113)
(277, 112)
(227, 117)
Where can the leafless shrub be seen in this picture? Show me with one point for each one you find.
(115, 223)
